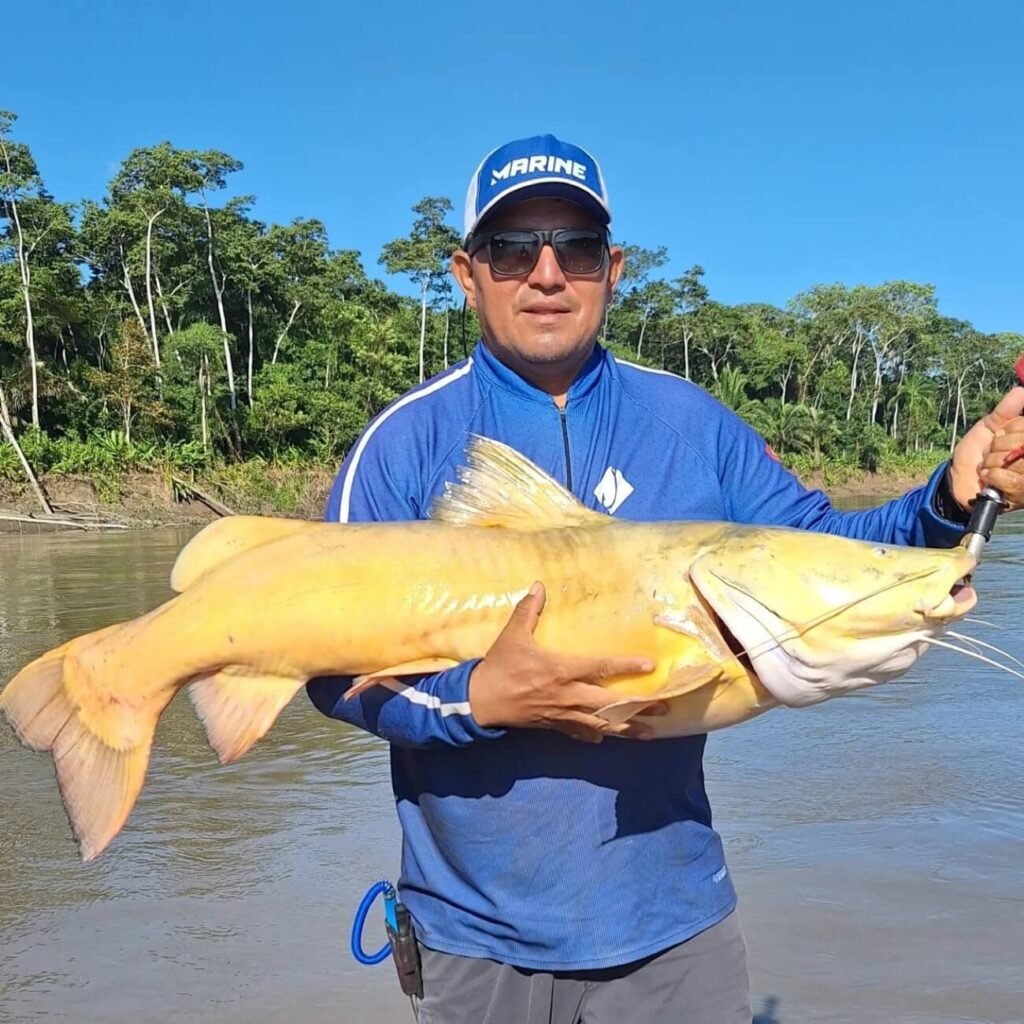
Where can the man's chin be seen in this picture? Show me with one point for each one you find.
(544, 350)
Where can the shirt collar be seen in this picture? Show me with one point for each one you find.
(496, 372)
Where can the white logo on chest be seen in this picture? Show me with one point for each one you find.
(613, 489)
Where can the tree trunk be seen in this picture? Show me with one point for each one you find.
(218, 290)
(8, 432)
(287, 328)
(30, 344)
(203, 377)
(149, 286)
(686, 353)
(26, 292)
(447, 317)
(26, 280)
(163, 304)
(248, 306)
(423, 327)
(853, 380)
(956, 412)
(643, 331)
(129, 288)
(876, 394)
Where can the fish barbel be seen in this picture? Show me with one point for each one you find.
(737, 619)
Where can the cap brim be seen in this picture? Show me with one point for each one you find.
(546, 188)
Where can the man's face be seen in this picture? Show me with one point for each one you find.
(544, 319)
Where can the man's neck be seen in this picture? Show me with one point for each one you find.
(554, 378)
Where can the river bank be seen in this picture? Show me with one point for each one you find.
(153, 498)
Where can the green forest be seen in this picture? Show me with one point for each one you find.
(165, 326)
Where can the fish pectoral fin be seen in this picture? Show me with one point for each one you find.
(238, 706)
(422, 666)
(683, 679)
(501, 488)
(622, 711)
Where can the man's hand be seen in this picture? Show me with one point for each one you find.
(981, 458)
(520, 684)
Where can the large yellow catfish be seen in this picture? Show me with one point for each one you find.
(737, 619)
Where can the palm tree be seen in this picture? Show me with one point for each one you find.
(731, 390)
(822, 430)
(784, 427)
(916, 399)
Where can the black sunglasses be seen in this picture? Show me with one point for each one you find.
(513, 253)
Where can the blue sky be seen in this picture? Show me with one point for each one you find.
(777, 144)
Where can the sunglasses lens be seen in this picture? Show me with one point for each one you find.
(580, 252)
(514, 252)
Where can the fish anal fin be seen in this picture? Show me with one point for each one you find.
(225, 538)
(237, 707)
(498, 487)
(422, 666)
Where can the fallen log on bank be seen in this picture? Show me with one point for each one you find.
(17, 522)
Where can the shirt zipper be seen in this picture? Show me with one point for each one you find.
(565, 444)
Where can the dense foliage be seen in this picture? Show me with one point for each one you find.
(164, 324)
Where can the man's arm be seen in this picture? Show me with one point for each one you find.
(758, 489)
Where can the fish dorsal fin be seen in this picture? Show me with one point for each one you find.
(500, 487)
(222, 540)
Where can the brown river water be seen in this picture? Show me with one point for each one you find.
(877, 842)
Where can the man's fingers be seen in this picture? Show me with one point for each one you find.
(1008, 434)
(580, 726)
(1007, 446)
(1009, 481)
(591, 729)
(1008, 408)
(526, 613)
(635, 730)
(578, 732)
(589, 698)
(594, 670)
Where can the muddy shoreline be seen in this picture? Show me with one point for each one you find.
(146, 500)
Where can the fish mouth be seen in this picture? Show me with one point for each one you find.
(731, 640)
(800, 673)
(959, 600)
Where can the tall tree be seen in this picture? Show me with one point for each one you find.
(423, 255)
(637, 289)
(37, 235)
(691, 296)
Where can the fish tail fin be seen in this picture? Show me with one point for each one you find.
(99, 778)
(237, 707)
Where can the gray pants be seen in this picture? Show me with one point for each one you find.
(700, 981)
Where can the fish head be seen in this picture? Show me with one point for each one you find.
(818, 615)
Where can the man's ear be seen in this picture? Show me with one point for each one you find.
(462, 271)
(616, 264)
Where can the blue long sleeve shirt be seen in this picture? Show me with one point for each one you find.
(523, 845)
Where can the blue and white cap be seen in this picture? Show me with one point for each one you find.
(538, 167)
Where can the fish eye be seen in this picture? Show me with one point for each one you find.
(881, 552)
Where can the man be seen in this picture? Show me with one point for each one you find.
(551, 879)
